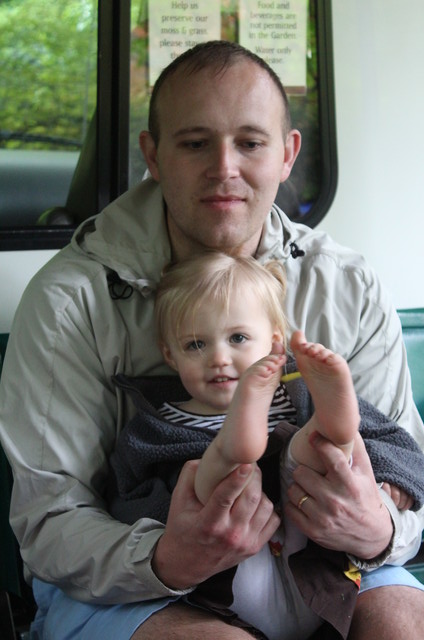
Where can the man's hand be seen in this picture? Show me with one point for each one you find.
(200, 541)
(344, 509)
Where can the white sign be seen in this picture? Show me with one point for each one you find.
(177, 25)
(276, 31)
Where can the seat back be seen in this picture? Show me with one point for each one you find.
(413, 335)
(9, 572)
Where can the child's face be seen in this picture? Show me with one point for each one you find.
(213, 349)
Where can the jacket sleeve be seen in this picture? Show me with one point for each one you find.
(338, 300)
(405, 542)
(59, 414)
(396, 458)
(342, 304)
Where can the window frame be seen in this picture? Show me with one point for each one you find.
(327, 114)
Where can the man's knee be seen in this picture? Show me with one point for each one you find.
(180, 621)
(388, 613)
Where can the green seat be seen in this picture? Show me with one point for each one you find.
(413, 335)
(9, 575)
(16, 602)
(10, 566)
(412, 321)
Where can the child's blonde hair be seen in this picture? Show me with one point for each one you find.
(212, 278)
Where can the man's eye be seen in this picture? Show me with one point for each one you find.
(195, 345)
(238, 338)
(251, 144)
(194, 144)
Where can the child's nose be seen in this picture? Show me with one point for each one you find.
(220, 356)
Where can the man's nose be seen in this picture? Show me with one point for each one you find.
(223, 161)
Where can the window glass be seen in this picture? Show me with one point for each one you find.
(273, 29)
(47, 99)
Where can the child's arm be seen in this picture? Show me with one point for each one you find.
(243, 437)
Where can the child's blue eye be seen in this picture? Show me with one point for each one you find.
(238, 338)
(195, 345)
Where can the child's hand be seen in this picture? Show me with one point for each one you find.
(402, 500)
(278, 348)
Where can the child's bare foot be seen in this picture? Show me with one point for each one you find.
(329, 382)
(245, 431)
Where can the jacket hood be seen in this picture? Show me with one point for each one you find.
(130, 236)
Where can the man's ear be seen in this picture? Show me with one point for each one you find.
(167, 355)
(291, 151)
(149, 150)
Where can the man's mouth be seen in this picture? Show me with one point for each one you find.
(223, 199)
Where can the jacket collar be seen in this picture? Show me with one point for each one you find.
(130, 236)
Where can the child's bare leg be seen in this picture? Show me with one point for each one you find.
(243, 437)
(329, 382)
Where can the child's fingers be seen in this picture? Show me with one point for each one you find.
(277, 348)
(402, 500)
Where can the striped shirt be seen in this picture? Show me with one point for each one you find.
(281, 409)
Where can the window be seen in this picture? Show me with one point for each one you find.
(47, 97)
(74, 92)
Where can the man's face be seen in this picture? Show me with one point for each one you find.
(220, 157)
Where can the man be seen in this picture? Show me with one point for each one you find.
(220, 142)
